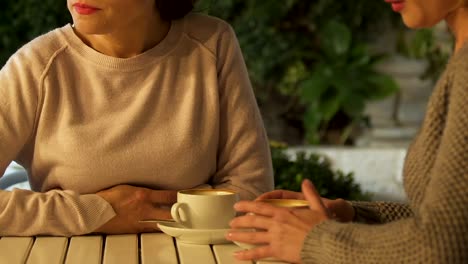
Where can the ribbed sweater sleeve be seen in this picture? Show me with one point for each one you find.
(436, 233)
(248, 169)
(59, 213)
(24, 213)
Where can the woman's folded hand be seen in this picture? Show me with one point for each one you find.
(132, 204)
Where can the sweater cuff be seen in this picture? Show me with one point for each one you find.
(98, 212)
(314, 243)
(365, 213)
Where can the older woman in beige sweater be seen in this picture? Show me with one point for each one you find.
(432, 227)
(115, 113)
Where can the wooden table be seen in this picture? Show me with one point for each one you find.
(115, 249)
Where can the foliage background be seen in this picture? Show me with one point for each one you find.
(310, 63)
(329, 182)
(23, 20)
(308, 60)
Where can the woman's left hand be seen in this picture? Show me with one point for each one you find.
(282, 230)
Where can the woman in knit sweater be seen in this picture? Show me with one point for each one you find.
(432, 227)
(115, 113)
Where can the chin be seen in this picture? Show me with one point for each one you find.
(89, 27)
(413, 23)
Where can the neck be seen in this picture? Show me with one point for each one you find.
(129, 40)
(458, 24)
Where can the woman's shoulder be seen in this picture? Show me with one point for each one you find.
(458, 64)
(208, 31)
(457, 80)
(196, 22)
(205, 28)
(41, 49)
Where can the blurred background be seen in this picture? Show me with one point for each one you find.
(324, 72)
(344, 80)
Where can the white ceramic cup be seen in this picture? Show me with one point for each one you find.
(205, 208)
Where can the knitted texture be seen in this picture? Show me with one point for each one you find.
(433, 227)
(380, 212)
(180, 115)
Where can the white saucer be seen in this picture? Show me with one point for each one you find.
(194, 236)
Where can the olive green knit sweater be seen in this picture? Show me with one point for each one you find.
(433, 226)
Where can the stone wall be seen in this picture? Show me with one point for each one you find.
(377, 170)
(397, 119)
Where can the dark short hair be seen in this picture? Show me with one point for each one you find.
(174, 9)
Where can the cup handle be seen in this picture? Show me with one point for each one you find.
(175, 213)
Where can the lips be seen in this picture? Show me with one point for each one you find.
(84, 9)
(397, 5)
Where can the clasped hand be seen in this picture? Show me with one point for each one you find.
(280, 232)
(132, 204)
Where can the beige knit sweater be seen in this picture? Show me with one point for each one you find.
(180, 115)
(433, 227)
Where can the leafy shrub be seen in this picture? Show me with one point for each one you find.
(312, 58)
(23, 20)
(423, 45)
(289, 174)
(281, 43)
(309, 61)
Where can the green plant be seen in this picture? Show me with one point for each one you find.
(422, 44)
(310, 59)
(342, 79)
(22, 20)
(330, 183)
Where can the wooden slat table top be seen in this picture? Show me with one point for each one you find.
(224, 254)
(48, 250)
(121, 249)
(190, 253)
(115, 249)
(85, 249)
(158, 246)
(15, 250)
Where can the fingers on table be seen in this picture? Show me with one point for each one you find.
(249, 236)
(157, 213)
(255, 253)
(163, 197)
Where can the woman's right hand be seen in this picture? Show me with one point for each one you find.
(339, 209)
(132, 204)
